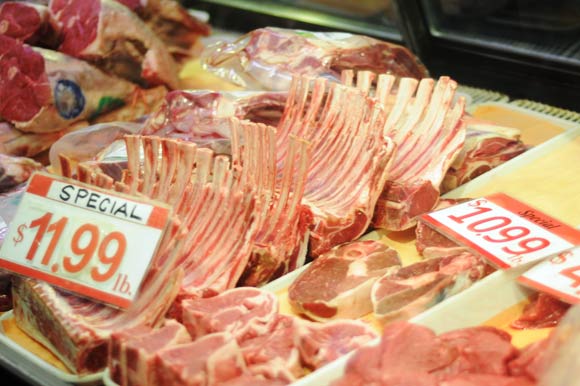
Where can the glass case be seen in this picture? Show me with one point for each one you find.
(376, 18)
(545, 30)
(528, 49)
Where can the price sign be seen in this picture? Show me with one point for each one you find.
(87, 240)
(558, 276)
(505, 231)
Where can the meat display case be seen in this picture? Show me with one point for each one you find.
(527, 49)
(518, 47)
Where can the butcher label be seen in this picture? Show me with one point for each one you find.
(69, 99)
(558, 276)
(506, 231)
(87, 240)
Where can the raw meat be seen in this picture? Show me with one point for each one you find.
(425, 123)
(268, 58)
(409, 354)
(345, 131)
(561, 355)
(77, 330)
(416, 287)
(338, 283)
(18, 143)
(338, 218)
(282, 238)
(16, 170)
(27, 22)
(92, 143)
(352, 379)
(111, 36)
(543, 311)
(261, 344)
(275, 354)
(211, 360)
(203, 116)
(321, 344)
(486, 380)
(486, 146)
(432, 244)
(483, 350)
(532, 361)
(250, 380)
(274, 346)
(43, 91)
(198, 185)
(405, 355)
(242, 312)
(5, 291)
(132, 352)
(209, 119)
(171, 22)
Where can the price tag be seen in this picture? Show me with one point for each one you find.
(504, 230)
(87, 240)
(558, 276)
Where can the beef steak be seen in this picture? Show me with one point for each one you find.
(338, 283)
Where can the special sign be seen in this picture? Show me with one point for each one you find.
(504, 230)
(91, 241)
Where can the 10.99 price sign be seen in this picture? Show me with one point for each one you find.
(505, 231)
(86, 240)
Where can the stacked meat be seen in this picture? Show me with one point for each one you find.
(237, 338)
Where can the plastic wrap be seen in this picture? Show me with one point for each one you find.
(267, 58)
(8, 204)
(91, 143)
(562, 354)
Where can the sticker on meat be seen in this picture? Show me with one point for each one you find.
(69, 99)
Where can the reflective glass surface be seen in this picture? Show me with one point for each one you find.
(547, 29)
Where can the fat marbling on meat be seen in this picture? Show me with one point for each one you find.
(338, 283)
(46, 91)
